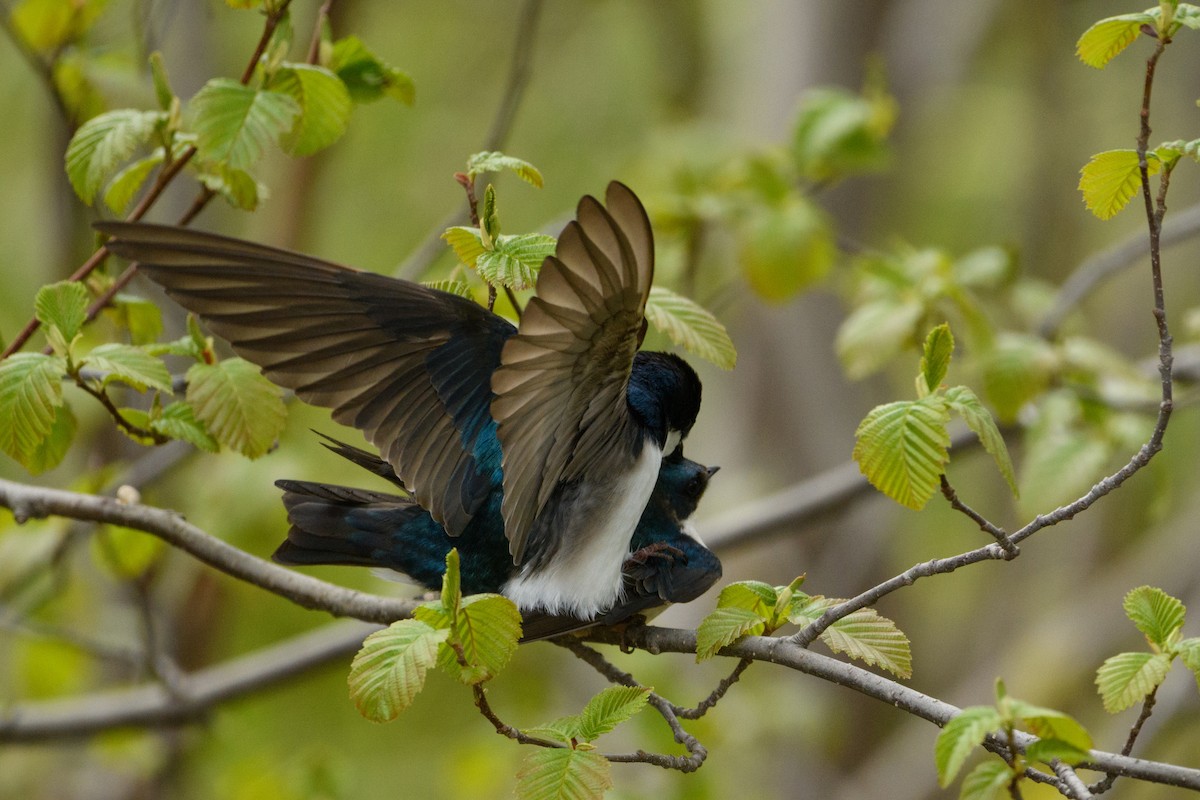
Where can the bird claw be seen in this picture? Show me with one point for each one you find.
(659, 551)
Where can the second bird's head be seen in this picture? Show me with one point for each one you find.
(664, 396)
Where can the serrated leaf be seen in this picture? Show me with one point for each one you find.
(785, 249)
(140, 317)
(30, 395)
(1189, 653)
(964, 402)
(962, 734)
(130, 365)
(324, 104)
(126, 184)
(487, 627)
(492, 161)
(489, 218)
(515, 260)
(838, 132)
(935, 358)
(1103, 41)
(754, 596)
(238, 187)
(989, 780)
(1047, 750)
(691, 326)
(875, 332)
(563, 729)
(1049, 723)
(870, 638)
(902, 448)
(234, 124)
(140, 422)
(1155, 613)
(102, 143)
(725, 626)
(63, 305)
(366, 77)
(452, 286)
(178, 420)
(1126, 678)
(389, 671)
(467, 243)
(1111, 179)
(563, 774)
(53, 448)
(237, 405)
(610, 708)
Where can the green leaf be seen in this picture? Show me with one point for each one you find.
(1063, 456)
(563, 729)
(1102, 42)
(102, 143)
(515, 260)
(162, 85)
(178, 420)
(610, 708)
(1189, 653)
(50, 453)
(962, 734)
(489, 218)
(140, 317)
(237, 186)
(130, 365)
(1155, 613)
(453, 286)
(240, 407)
(1111, 179)
(126, 184)
(786, 248)
(30, 395)
(367, 78)
(964, 402)
(487, 627)
(389, 671)
(691, 326)
(1126, 678)
(755, 596)
(876, 331)
(987, 268)
(1049, 723)
(467, 243)
(563, 774)
(492, 161)
(1017, 368)
(935, 360)
(725, 626)
(1047, 750)
(324, 105)
(902, 448)
(234, 124)
(838, 132)
(63, 305)
(989, 780)
(875, 640)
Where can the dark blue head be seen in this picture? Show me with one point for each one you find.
(681, 483)
(664, 394)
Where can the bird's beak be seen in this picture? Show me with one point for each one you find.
(712, 471)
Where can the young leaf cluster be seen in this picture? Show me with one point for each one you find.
(902, 447)
(514, 261)
(226, 403)
(1059, 737)
(227, 126)
(574, 770)
(753, 608)
(1129, 678)
(470, 638)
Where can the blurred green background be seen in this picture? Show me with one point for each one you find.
(996, 116)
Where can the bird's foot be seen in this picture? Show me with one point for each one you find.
(654, 555)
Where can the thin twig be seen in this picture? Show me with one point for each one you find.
(314, 46)
(703, 707)
(1102, 786)
(1010, 549)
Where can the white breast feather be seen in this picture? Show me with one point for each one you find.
(586, 579)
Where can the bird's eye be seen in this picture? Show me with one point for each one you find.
(694, 487)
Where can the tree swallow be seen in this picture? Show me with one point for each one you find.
(562, 414)
(343, 525)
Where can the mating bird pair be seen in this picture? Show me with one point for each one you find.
(544, 453)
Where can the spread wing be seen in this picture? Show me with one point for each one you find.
(560, 390)
(407, 365)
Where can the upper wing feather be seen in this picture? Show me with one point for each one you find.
(407, 365)
(560, 390)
